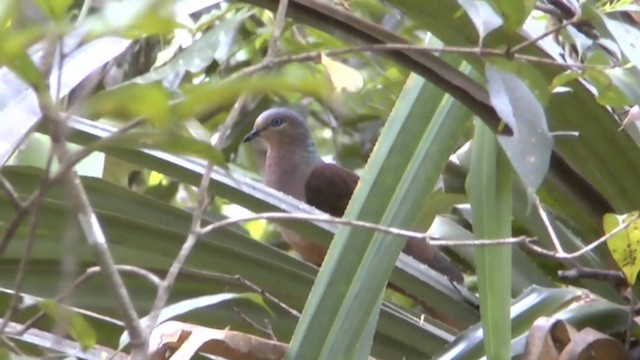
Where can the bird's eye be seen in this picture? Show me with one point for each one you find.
(275, 122)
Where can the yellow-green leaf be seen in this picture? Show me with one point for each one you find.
(79, 329)
(624, 245)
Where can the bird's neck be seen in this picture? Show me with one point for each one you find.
(288, 167)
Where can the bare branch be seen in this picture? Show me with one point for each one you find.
(596, 274)
(544, 252)
(88, 220)
(28, 247)
(89, 273)
(364, 225)
(315, 56)
(194, 233)
(11, 193)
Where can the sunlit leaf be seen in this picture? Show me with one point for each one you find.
(342, 76)
(624, 245)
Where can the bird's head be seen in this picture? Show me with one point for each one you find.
(280, 126)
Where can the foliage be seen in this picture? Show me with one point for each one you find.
(466, 120)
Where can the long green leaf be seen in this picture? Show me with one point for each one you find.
(489, 189)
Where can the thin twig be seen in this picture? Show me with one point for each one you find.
(250, 285)
(555, 29)
(89, 222)
(362, 224)
(267, 330)
(315, 56)
(9, 344)
(28, 248)
(72, 160)
(167, 284)
(584, 250)
(196, 221)
(547, 225)
(11, 193)
(266, 294)
(81, 280)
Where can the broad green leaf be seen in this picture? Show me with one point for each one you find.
(564, 78)
(482, 15)
(608, 93)
(529, 149)
(78, 327)
(513, 12)
(164, 140)
(489, 187)
(624, 245)
(148, 101)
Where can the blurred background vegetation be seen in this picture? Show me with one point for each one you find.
(510, 121)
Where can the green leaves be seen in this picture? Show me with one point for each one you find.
(148, 101)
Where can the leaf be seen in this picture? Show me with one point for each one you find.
(627, 37)
(342, 76)
(529, 149)
(624, 245)
(489, 186)
(55, 9)
(78, 327)
(217, 343)
(514, 12)
(19, 101)
(180, 308)
(482, 15)
(133, 18)
(607, 92)
(148, 101)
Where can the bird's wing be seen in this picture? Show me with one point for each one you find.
(329, 188)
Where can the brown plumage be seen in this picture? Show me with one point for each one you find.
(294, 167)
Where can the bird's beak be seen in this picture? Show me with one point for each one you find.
(252, 135)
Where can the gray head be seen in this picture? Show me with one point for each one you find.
(282, 127)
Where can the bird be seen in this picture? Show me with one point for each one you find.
(293, 166)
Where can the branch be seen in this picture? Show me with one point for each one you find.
(364, 225)
(563, 255)
(86, 216)
(202, 202)
(89, 273)
(315, 56)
